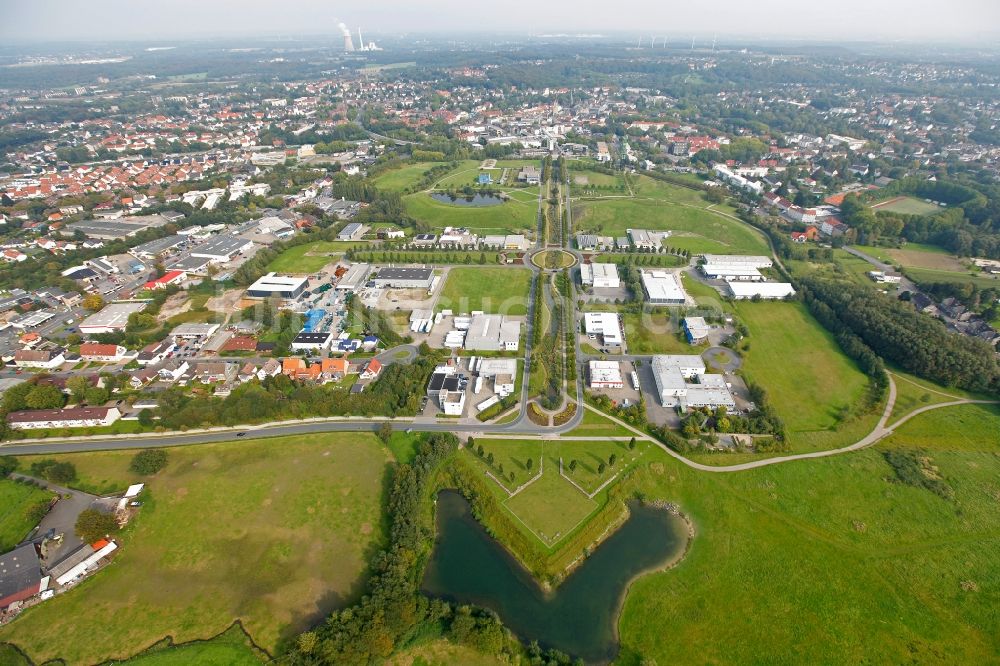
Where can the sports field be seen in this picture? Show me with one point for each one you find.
(493, 290)
(832, 557)
(17, 502)
(273, 532)
(809, 381)
(906, 206)
(310, 257)
(512, 216)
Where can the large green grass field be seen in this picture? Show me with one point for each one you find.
(16, 503)
(809, 381)
(404, 177)
(906, 206)
(275, 533)
(833, 560)
(494, 290)
(661, 206)
(310, 257)
(512, 216)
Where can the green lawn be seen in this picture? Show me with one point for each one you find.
(981, 280)
(913, 393)
(310, 257)
(551, 508)
(907, 206)
(273, 532)
(694, 228)
(230, 647)
(404, 177)
(809, 381)
(654, 333)
(509, 217)
(595, 425)
(845, 266)
(495, 290)
(832, 561)
(17, 501)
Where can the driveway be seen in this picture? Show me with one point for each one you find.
(61, 519)
(722, 359)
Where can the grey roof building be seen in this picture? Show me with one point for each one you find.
(404, 278)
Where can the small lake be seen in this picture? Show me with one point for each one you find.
(475, 200)
(579, 617)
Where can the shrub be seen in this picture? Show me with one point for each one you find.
(148, 462)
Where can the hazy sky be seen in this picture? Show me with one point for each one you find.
(80, 20)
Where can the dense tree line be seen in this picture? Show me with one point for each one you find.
(897, 333)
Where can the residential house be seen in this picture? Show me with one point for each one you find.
(211, 372)
(371, 370)
(93, 351)
(46, 359)
(155, 352)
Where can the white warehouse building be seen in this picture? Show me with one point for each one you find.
(600, 276)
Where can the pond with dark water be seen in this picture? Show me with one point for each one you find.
(580, 617)
(474, 200)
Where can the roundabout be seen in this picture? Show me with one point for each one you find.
(553, 259)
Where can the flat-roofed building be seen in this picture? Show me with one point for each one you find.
(600, 276)
(158, 247)
(673, 376)
(194, 331)
(645, 239)
(222, 249)
(490, 332)
(696, 329)
(273, 284)
(113, 317)
(764, 290)
(605, 324)
(754, 261)
(606, 374)
(352, 231)
(354, 278)
(403, 278)
(662, 287)
(117, 229)
(312, 340)
(732, 272)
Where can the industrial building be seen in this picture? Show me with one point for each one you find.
(764, 290)
(354, 277)
(606, 374)
(605, 324)
(662, 287)
(404, 278)
(502, 371)
(696, 329)
(646, 240)
(671, 374)
(311, 340)
(273, 284)
(194, 331)
(732, 272)
(222, 249)
(600, 276)
(352, 231)
(124, 227)
(490, 332)
(113, 317)
(446, 387)
(752, 261)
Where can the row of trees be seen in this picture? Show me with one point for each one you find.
(894, 331)
(397, 392)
